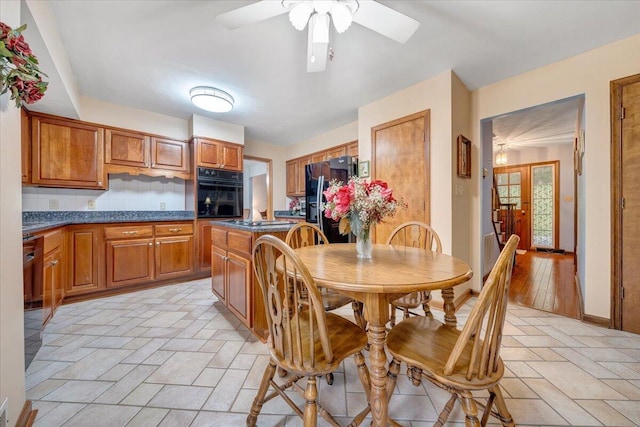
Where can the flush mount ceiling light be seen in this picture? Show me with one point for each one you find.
(501, 157)
(319, 14)
(211, 99)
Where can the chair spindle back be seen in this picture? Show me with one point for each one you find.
(415, 234)
(305, 234)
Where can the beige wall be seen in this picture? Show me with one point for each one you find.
(278, 155)
(589, 74)
(11, 313)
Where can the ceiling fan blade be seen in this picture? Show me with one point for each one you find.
(250, 14)
(386, 21)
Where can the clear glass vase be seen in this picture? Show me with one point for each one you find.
(364, 247)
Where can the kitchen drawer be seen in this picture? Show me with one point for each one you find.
(128, 232)
(219, 238)
(239, 242)
(173, 229)
(53, 240)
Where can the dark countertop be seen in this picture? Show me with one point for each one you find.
(40, 221)
(256, 226)
(287, 214)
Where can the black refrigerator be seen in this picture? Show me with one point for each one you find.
(318, 175)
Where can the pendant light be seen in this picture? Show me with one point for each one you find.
(501, 157)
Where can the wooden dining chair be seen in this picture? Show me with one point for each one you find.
(303, 339)
(417, 235)
(461, 362)
(306, 234)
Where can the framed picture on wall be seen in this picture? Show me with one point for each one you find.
(363, 169)
(464, 157)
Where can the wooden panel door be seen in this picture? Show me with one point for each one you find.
(301, 178)
(174, 256)
(83, 259)
(169, 154)
(231, 157)
(219, 273)
(209, 153)
(395, 145)
(626, 203)
(238, 286)
(292, 177)
(67, 153)
(129, 262)
(126, 148)
(514, 184)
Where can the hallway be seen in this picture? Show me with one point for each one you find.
(545, 281)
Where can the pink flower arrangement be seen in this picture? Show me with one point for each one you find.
(294, 205)
(19, 72)
(359, 204)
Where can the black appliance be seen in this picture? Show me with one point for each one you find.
(32, 258)
(318, 175)
(219, 193)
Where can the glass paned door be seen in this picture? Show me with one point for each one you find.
(512, 186)
(543, 206)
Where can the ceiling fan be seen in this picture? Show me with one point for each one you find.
(319, 14)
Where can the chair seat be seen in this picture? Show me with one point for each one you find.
(332, 299)
(413, 300)
(427, 344)
(346, 339)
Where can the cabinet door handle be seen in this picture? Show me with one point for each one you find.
(130, 232)
(151, 244)
(157, 243)
(175, 230)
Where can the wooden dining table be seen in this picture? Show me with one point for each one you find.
(392, 272)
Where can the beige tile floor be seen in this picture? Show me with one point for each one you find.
(174, 356)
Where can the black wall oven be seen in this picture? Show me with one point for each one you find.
(219, 193)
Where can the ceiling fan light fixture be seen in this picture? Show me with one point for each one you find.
(323, 6)
(319, 24)
(211, 99)
(300, 13)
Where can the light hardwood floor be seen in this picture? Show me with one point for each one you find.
(545, 281)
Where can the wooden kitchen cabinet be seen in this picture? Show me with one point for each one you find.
(126, 148)
(231, 272)
(296, 176)
(129, 255)
(53, 273)
(335, 152)
(137, 153)
(169, 154)
(203, 242)
(216, 154)
(352, 149)
(318, 157)
(173, 250)
(85, 259)
(66, 153)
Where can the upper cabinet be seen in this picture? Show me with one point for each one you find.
(216, 154)
(67, 153)
(137, 153)
(352, 149)
(332, 153)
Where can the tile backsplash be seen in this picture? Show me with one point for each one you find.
(126, 193)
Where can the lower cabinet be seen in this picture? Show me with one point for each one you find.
(129, 262)
(84, 265)
(174, 256)
(232, 277)
(204, 246)
(52, 274)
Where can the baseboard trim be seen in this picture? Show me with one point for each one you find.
(27, 415)
(596, 320)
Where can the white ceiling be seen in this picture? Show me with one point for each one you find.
(148, 54)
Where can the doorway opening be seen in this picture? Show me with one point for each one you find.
(258, 188)
(533, 193)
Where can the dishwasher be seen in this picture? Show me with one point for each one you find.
(32, 268)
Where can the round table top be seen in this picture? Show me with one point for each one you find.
(392, 269)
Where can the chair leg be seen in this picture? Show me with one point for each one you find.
(269, 372)
(406, 313)
(425, 305)
(392, 375)
(392, 315)
(329, 378)
(501, 407)
(358, 313)
(310, 409)
(444, 414)
(470, 409)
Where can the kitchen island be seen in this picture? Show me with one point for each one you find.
(232, 278)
